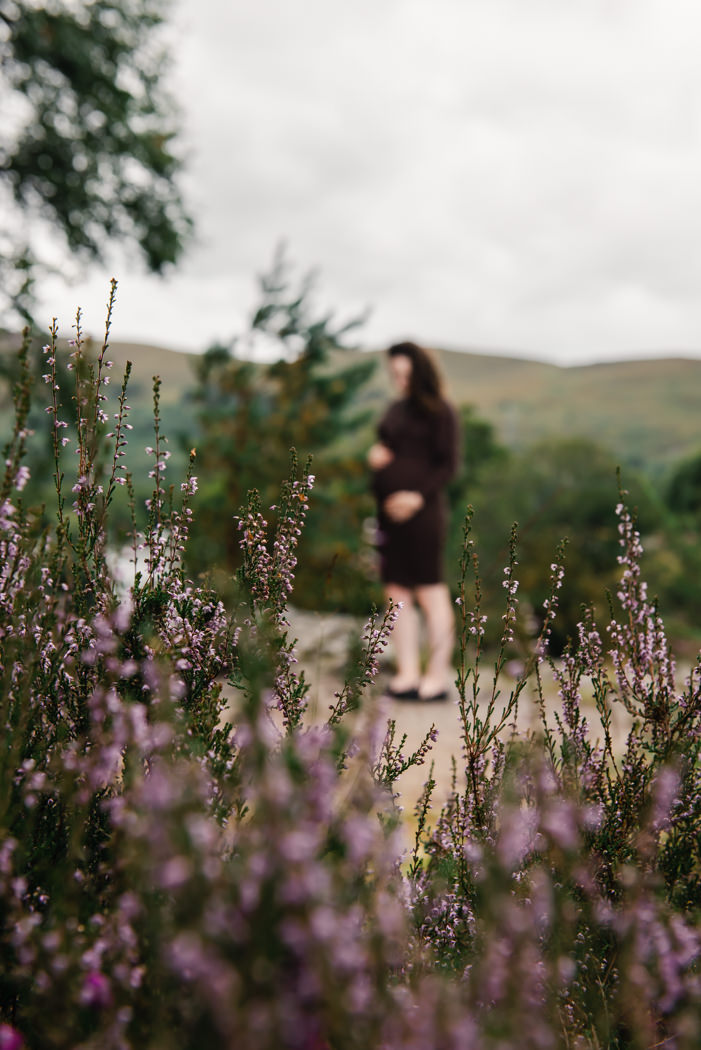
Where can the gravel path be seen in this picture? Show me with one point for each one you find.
(323, 644)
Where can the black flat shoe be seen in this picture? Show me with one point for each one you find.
(402, 694)
(434, 698)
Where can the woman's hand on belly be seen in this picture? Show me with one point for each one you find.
(380, 456)
(403, 505)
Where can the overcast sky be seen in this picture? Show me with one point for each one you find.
(517, 176)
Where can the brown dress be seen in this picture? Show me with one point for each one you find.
(425, 448)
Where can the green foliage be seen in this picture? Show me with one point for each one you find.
(87, 144)
(555, 490)
(252, 414)
(684, 492)
(481, 456)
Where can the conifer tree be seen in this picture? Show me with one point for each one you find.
(252, 414)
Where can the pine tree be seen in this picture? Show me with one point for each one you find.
(252, 415)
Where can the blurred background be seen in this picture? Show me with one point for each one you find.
(515, 185)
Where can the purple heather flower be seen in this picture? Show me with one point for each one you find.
(174, 873)
(96, 990)
(10, 1039)
(21, 478)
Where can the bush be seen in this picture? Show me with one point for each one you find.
(183, 865)
(250, 415)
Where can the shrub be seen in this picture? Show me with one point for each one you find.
(186, 860)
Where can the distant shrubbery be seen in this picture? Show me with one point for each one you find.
(183, 870)
(250, 415)
(323, 398)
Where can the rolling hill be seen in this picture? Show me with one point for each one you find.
(647, 412)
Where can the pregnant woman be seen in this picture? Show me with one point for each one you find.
(415, 457)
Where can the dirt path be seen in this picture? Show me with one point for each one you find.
(323, 643)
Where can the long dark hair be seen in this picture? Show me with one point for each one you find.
(425, 384)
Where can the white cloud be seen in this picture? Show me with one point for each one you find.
(486, 173)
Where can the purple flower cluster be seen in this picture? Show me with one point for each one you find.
(564, 871)
(175, 871)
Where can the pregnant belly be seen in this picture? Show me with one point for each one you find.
(401, 473)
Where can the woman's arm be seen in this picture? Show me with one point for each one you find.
(445, 453)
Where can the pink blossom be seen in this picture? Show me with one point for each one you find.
(96, 990)
(10, 1038)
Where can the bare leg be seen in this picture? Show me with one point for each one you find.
(434, 600)
(405, 638)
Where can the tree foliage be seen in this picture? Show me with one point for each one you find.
(559, 489)
(87, 141)
(252, 414)
(684, 493)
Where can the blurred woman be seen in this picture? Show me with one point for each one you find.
(414, 458)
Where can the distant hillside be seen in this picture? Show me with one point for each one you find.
(177, 410)
(647, 412)
(174, 368)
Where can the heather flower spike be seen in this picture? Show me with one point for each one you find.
(188, 858)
